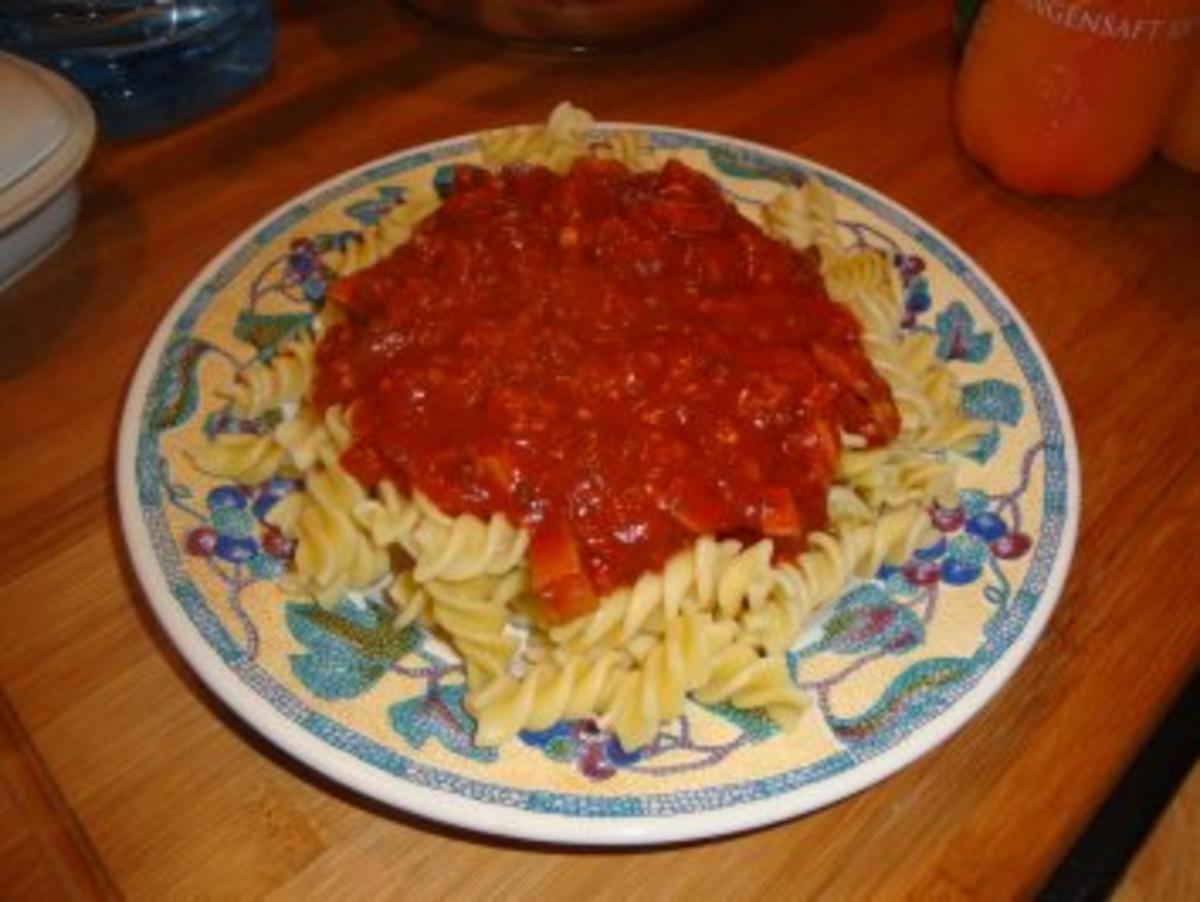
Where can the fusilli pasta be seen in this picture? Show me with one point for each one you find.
(267, 385)
(745, 678)
(243, 457)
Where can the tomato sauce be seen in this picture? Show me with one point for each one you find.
(618, 361)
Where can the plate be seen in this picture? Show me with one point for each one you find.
(892, 668)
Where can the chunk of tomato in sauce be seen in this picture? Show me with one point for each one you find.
(780, 516)
(557, 573)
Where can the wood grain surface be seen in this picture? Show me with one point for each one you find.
(122, 776)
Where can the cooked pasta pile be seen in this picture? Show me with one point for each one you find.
(715, 622)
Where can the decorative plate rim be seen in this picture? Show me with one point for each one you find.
(559, 828)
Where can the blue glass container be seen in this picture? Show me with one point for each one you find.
(146, 65)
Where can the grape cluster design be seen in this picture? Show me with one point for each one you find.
(969, 534)
(595, 753)
(304, 268)
(914, 287)
(237, 531)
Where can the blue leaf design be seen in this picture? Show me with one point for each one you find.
(443, 181)
(896, 584)
(993, 399)
(366, 212)
(927, 685)
(369, 212)
(335, 677)
(743, 166)
(263, 566)
(563, 729)
(174, 396)
(439, 715)
(866, 619)
(266, 330)
(957, 338)
(986, 447)
(349, 648)
(754, 723)
(306, 627)
(392, 194)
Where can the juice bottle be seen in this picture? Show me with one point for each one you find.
(1071, 96)
(1181, 140)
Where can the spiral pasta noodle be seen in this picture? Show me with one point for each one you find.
(832, 560)
(411, 600)
(804, 217)
(745, 678)
(555, 145)
(333, 553)
(309, 437)
(713, 576)
(774, 625)
(475, 615)
(243, 457)
(467, 547)
(896, 476)
(631, 148)
(552, 691)
(267, 385)
(675, 665)
(389, 518)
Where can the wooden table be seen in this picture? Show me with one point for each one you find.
(121, 775)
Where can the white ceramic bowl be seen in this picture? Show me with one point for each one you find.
(46, 133)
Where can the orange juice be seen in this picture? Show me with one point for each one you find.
(1071, 96)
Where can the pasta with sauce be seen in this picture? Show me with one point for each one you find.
(714, 621)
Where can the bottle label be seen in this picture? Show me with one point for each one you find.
(1111, 24)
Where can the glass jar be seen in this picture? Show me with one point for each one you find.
(146, 65)
(569, 23)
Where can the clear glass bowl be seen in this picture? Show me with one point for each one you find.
(570, 23)
(146, 65)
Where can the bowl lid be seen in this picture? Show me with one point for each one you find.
(46, 133)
